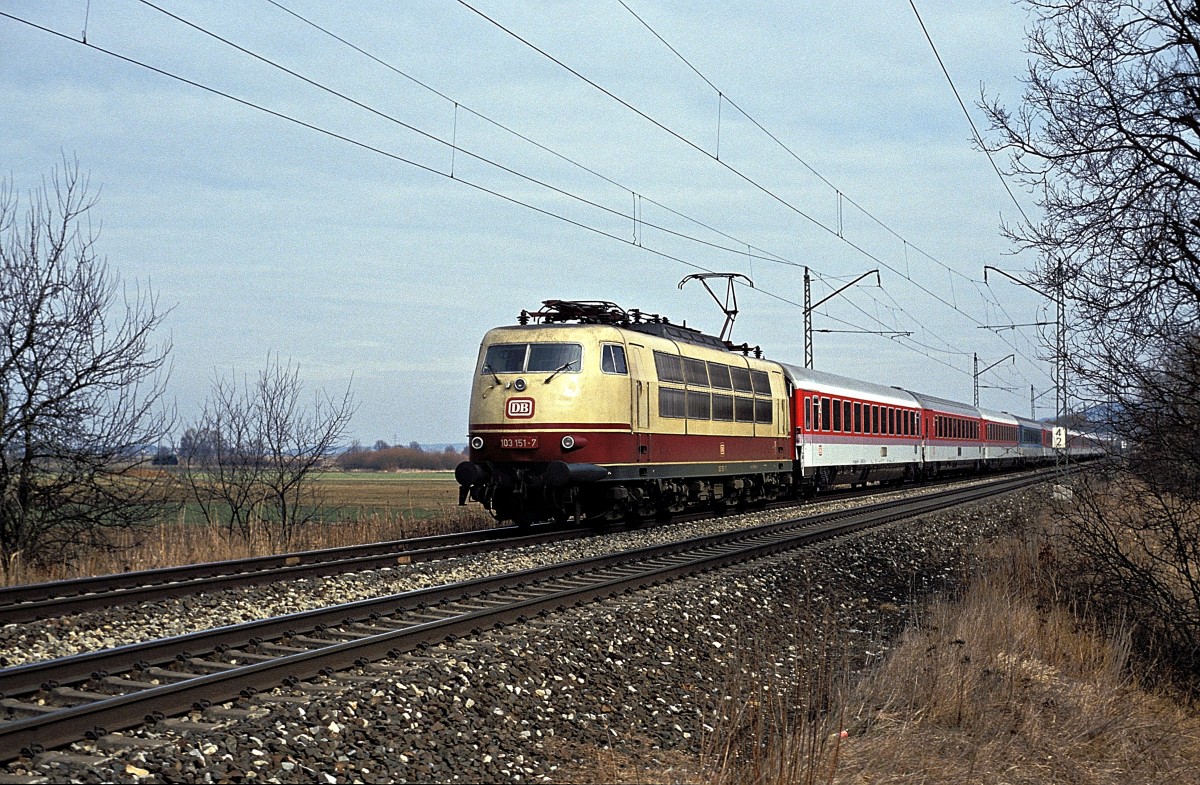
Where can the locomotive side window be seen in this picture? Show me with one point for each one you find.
(741, 379)
(550, 357)
(505, 358)
(826, 415)
(669, 368)
(696, 372)
(671, 403)
(699, 405)
(762, 410)
(612, 359)
(718, 375)
(761, 383)
(743, 409)
(837, 415)
(722, 408)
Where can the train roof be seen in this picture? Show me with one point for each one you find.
(1001, 417)
(822, 381)
(945, 405)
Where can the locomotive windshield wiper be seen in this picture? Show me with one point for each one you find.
(487, 368)
(559, 370)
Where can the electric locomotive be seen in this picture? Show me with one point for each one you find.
(583, 410)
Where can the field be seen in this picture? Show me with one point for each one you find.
(357, 507)
(415, 495)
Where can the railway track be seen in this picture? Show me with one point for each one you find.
(55, 702)
(30, 602)
(42, 600)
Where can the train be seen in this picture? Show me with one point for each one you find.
(585, 411)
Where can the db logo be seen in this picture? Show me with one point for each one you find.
(519, 408)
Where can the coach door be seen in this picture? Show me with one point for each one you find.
(640, 395)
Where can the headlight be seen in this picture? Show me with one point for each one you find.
(476, 442)
(573, 443)
(520, 385)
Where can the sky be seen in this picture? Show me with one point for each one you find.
(377, 261)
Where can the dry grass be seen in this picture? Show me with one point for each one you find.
(364, 507)
(1002, 686)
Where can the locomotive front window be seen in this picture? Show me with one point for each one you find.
(549, 357)
(532, 358)
(505, 358)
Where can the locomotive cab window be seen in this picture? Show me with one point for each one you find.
(532, 358)
(504, 358)
(550, 357)
(612, 359)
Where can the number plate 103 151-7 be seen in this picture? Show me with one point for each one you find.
(519, 442)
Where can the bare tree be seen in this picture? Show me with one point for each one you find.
(81, 381)
(251, 458)
(1108, 140)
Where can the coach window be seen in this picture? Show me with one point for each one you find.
(669, 368)
(612, 359)
(722, 408)
(699, 405)
(743, 409)
(807, 412)
(696, 372)
(890, 424)
(718, 375)
(874, 419)
(671, 403)
(857, 417)
(837, 415)
(816, 413)
(826, 415)
(741, 379)
(846, 417)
